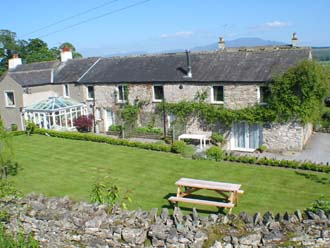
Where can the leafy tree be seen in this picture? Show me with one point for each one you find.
(8, 45)
(6, 147)
(37, 50)
(33, 50)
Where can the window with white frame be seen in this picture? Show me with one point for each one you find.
(264, 94)
(10, 98)
(158, 94)
(98, 114)
(90, 92)
(66, 90)
(122, 93)
(217, 95)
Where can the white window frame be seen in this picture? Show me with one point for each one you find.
(98, 114)
(212, 94)
(153, 93)
(118, 93)
(66, 90)
(6, 97)
(87, 92)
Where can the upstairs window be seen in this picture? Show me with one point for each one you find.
(66, 90)
(264, 94)
(122, 93)
(217, 94)
(158, 93)
(90, 92)
(10, 98)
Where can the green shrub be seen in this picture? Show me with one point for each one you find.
(8, 188)
(214, 153)
(217, 138)
(189, 151)
(320, 203)
(115, 128)
(103, 139)
(30, 127)
(263, 148)
(178, 146)
(148, 130)
(13, 127)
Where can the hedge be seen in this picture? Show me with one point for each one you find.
(104, 139)
(302, 165)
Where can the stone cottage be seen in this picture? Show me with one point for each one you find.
(234, 78)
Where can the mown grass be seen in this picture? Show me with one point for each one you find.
(59, 167)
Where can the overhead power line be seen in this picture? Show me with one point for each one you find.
(96, 17)
(69, 18)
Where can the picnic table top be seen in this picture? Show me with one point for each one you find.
(193, 136)
(203, 184)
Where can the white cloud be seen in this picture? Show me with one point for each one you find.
(276, 24)
(181, 34)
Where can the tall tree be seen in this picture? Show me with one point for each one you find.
(37, 50)
(8, 45)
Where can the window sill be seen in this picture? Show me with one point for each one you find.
(214, 102)
(68, 97)
(243, 149)
(120, 102)
(12, 106)
(157, 100)
(89, 99)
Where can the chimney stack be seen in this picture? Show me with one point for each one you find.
(66, 54)
(294, 40)
(189, 73)
(14, 61)
(221, 43)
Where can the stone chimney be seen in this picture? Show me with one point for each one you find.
(294, 40)
(66, 54)
(14, 61)
(221, 43)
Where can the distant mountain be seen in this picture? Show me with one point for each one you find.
(240, 42)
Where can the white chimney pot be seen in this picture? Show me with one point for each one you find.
(66, 54)
(14, 62)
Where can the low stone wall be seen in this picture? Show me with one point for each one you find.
(64, 223)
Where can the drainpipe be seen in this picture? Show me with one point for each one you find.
(164, 116)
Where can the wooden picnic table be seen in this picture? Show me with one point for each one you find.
(186, 186)
(201, 137)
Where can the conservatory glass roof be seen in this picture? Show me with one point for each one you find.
(54, 103)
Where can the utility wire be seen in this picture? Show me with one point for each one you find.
(70, 17)
(94, 18)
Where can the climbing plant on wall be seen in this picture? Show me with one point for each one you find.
(295, 95)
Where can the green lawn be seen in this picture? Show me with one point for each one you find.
(58, 167)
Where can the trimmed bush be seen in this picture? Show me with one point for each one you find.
(214, 153)
(115, 128)
(148, 130)
(217, 138)
(178, 147)
(104, 139)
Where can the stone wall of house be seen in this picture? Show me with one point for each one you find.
(238, 96)
(288, 136)
(63, 223)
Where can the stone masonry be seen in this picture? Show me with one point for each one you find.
(61, 222)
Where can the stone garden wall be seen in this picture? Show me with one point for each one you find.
(64, 223)
(290, 136)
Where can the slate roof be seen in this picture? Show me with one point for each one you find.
(254, 66)
(215, 66)
(32, 78)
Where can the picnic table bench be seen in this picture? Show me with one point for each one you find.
(229, 191)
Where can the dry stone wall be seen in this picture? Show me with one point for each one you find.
(63, 223)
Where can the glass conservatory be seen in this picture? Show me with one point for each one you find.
(55, 113)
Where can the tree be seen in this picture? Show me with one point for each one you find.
(6, 150)
(37, 50)
(33, 50)
(8, 45)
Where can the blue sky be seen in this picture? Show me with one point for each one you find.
(159, 25)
